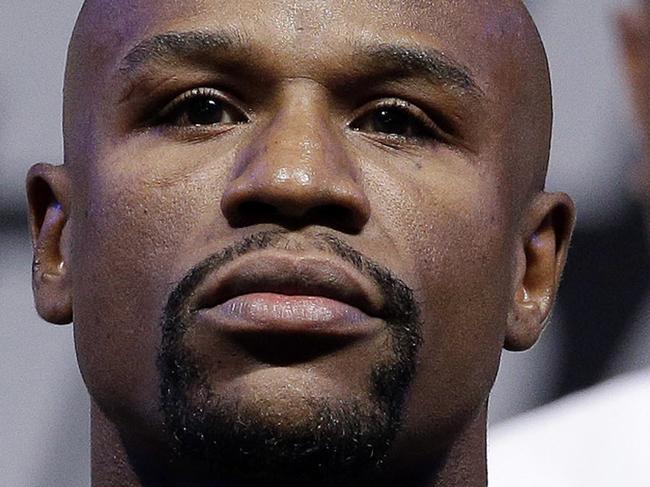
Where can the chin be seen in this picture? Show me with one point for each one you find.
(280, 433)
(282, 425)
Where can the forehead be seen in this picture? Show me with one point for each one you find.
(475, 33)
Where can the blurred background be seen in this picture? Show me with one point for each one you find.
(597, 331)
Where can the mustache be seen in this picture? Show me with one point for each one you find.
(399, 306)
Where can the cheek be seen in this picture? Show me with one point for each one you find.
(466, 295)
(130, 236)
(457, 235)
(466, 268)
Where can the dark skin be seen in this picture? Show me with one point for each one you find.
(415, 133)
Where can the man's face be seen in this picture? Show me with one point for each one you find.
(297, 218)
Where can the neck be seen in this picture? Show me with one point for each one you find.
(463, 464)
(110, 465)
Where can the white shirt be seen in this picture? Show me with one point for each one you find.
(596, 438)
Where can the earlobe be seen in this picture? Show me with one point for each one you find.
(541, 257)
(47, 194)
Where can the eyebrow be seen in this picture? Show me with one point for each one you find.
(395, 59)
(179, 44)
(429, 62)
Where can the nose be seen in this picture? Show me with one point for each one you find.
(297, 172)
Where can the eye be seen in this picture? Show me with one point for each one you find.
(200, 107)
(396, 118)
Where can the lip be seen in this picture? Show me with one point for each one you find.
(270, 291)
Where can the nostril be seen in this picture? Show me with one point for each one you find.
(252, 212)
(335, 216)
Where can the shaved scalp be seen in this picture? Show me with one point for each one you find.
(534, 107)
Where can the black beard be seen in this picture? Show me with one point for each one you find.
(341, 443)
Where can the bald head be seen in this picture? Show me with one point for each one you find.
(296, 235)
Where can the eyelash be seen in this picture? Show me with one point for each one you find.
(425, 127)
(166, 115)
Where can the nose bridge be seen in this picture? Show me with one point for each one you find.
(298, 163)
(299, 146)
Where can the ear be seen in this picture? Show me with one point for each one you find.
(47, 195)
(541, 255)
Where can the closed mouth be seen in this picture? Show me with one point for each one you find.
(271, 273)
